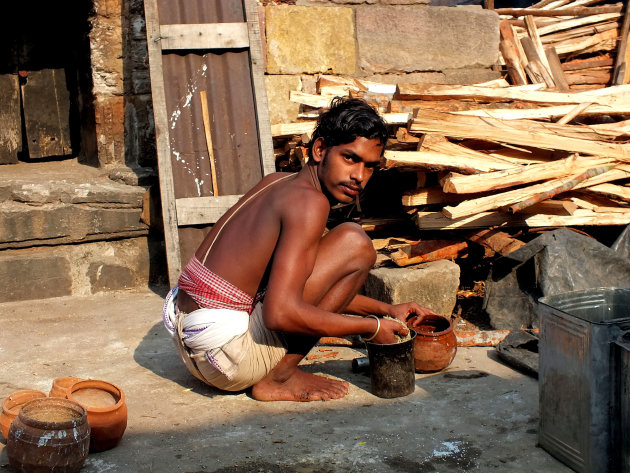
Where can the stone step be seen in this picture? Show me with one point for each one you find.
(74, 270)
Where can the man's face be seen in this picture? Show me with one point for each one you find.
(345, 169)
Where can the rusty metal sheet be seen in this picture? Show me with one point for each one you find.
(225, 76)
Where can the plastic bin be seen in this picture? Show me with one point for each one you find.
(579, 375)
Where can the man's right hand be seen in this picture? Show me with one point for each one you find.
(388, 331)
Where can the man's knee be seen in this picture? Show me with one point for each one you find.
(355, 243)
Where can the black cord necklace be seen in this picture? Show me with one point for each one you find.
(314, 177)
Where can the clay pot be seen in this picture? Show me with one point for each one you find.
(106, 411)
(61, 386)
(49, 435)
(435, 344)
(12, 404)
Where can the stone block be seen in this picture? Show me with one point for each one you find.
(279, 87)
(74, 270)
(433, 285)
(110, 129)
(423, 38)
(22, 223)
(310, 40)
(30, 274)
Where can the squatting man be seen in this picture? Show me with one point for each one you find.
(269, 280)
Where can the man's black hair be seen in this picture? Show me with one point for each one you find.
(345, 121)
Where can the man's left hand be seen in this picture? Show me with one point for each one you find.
(403, 311)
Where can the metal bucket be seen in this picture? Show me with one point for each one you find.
(391, 368)
(577, 375)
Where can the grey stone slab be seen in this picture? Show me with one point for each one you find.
(433, 285)
(29, 275)
(105, 191)
(422, 38)
(19, 222)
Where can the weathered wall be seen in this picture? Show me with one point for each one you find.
(389, 41)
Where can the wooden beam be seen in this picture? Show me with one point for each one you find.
(611, 96)
(203, 210)
(503, 199)
(437, 161)
(576, 11)
(461, 184)
(204, 36)
(438, 221)
(167, 189)
(523, 132)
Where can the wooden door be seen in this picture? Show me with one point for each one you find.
(211, 116)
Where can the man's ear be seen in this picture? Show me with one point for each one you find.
(319, 150)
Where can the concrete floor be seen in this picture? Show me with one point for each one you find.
(478, 415)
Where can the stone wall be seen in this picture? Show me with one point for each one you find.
(388, 41)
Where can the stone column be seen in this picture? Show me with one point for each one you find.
(107, 77)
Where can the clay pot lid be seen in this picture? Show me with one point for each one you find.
(431, 325)
(106, 386)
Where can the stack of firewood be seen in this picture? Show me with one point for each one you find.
(497, 155)
(567, 45)
(543, 147)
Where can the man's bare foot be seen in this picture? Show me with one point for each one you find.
(298, 386)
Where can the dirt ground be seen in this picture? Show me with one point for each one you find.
(478, 415)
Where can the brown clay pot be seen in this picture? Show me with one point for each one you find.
(49, 435)
(435, 343)
(12, 404)
(61, 386)
(106, 411)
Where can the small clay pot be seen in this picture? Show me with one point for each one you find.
(49, 435)
(61, 386)
(106, 411)
(435, 344)
(12, 404)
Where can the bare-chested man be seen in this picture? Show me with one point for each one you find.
(265, 284)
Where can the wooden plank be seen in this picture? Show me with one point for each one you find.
(167, 188)
(611, 96)
(545, 112)
(438, 221)
(204, 36)
(596, 42)
(523, 132)
(10, 117)
(286, 130)
(577, 11)
(555, 66)
(510, 54)
(203, 210)
(429, 196)
(619, 73)
(575, 22)
(256, 57)
(438, 161)
(611, 190)
(46, 106)
(496, 201)
(461, 184)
